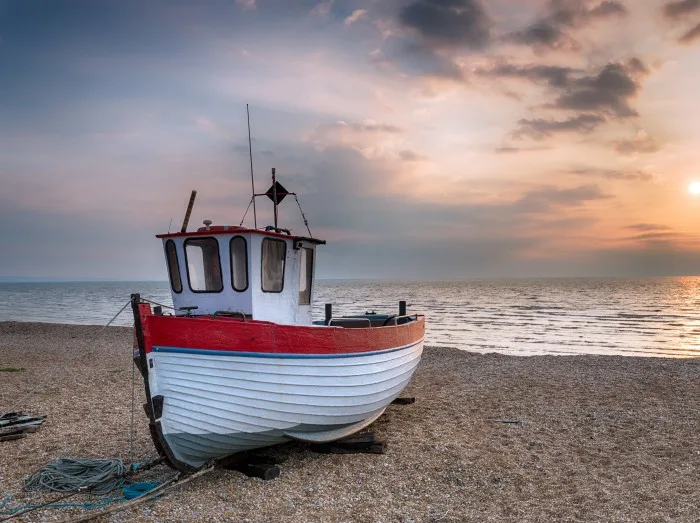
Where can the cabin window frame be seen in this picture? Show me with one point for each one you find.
(170, 268)
(230, 254)
(262, 263)
(187, 264)
(308, 271)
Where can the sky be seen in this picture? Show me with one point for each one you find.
(425, 138)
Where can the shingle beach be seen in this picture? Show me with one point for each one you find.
(489, 438)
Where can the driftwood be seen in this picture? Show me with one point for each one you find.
(15, 425)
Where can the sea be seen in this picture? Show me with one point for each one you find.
(633, 317)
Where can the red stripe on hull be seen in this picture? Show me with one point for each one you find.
(228, 334)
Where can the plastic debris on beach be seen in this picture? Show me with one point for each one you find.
(17, 425)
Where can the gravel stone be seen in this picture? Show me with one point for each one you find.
(600, 438)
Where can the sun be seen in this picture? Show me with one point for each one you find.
(694, 188)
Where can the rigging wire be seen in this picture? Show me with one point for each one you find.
(252, 200)
(306, 222)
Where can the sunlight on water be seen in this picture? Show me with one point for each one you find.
(651, 316)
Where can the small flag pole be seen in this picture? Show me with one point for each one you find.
(274, 194)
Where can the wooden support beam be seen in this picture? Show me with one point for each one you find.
(404, 401)
(360, 444)
(251, 465)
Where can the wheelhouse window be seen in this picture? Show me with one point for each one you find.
(173, 266)
(274, 254)
(306, 275)
(239, 263)
(203, 265)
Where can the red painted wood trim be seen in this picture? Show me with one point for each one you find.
(229, 334)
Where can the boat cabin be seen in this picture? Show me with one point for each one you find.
(227, 270)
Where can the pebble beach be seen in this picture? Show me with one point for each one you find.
(489, 438)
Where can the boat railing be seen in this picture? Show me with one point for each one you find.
(234, 314)
(348, 320)
(363, 321)
(394, 320)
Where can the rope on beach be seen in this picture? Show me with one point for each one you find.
(100, 476)
(129, 492)
(175, 481)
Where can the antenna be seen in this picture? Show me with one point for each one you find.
(252, 179)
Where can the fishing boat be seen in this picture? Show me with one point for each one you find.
(239, 363)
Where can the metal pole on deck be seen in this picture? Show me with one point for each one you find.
(274, 194)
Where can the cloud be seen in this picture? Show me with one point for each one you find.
(246, 5)
(691, 35)
(369, 137)
(642, 143)
(605, 9)
(207, 125)
(674, 10)
(507, 149)
(608, 92)
(647, 227)
(551, 31)
(323, 8)
(614, 174)
(594, 97)
(679, 11)
(408, 155)
(429, 62)
(429, 37)
(539, 128)
(651, 237)
(555, 76)
(448, 23)
(544, 34)
(545, 198)
(356, 15)
(368, 126)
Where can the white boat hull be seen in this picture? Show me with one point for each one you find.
(218, 403)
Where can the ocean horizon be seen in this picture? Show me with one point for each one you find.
(651, 316)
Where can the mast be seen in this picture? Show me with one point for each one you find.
(252, 179)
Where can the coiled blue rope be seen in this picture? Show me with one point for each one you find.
(99, 476)
(8, 505)
(68, 475)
